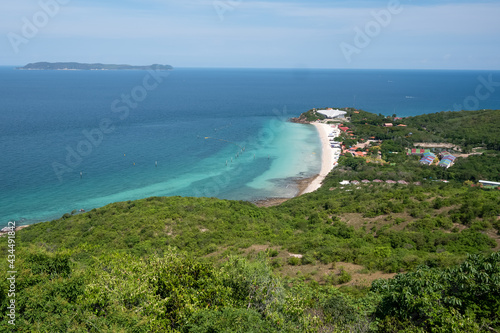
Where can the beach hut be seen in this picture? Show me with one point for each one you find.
(445, 163)
(427, 160)
(417, 151)
(444, 153)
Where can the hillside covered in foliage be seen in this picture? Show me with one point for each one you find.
(308, 265)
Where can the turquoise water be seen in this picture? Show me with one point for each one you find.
(176, 136)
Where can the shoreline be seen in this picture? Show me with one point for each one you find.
(304, 185)
(311, 184)
(301, 183)
(328, 159)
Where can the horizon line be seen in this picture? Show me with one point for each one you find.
(286, 68)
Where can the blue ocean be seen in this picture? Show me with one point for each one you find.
(72, 140)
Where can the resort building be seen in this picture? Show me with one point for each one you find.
(488, 183)
(416, 151)
(427, 158)
(332, 114)
(443, 153)
(447, 160)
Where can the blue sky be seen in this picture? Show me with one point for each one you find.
(438, 34)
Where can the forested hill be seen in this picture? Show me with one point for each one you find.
(82, 66)
(465, 128)
(310, 264)
(468, 128)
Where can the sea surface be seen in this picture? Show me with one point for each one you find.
(72, 140)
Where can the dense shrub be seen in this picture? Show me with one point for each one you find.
(467, 296)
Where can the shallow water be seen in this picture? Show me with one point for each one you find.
(176, 138)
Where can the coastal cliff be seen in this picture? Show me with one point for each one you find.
(299, 120)
(307, 117)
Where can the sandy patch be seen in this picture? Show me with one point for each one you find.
(327, 157)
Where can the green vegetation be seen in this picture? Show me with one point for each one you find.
(207, 265)
(309, 116)
(463, 298)
(465, 128)
(469, 131)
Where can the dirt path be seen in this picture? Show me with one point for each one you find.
(437, 145)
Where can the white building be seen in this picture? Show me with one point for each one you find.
(333, 114)
(488, 183)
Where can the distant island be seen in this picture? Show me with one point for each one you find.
(80, 66)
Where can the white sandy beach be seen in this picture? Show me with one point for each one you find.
(327, 157)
